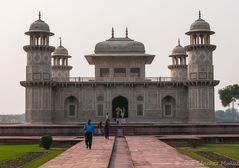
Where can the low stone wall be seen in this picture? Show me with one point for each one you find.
(39, 130)
(132, 129)
(182, 142)
(187, 129)
(21, 141)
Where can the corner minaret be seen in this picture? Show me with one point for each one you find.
(200, 51)
(178, 69)
(60, 67)
(200, 73)
(38, 51)
(38, 73)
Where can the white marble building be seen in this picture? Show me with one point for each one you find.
(120, 87)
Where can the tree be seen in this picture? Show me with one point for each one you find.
(229, 94)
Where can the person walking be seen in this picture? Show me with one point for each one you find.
(106, 129)
(89, 131)
(99, 128)
(107, 116)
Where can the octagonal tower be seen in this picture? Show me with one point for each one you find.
(60, 67)
(38, 74)
(178, 69)
(200, 73)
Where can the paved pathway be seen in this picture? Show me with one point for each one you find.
(149, 152)
(80, 157)
(129, 152)
(121, 157)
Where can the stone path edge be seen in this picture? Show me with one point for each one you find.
(112, 152)
(130, 153)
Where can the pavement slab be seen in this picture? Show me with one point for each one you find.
(149, 152)
(129, 152)
(78, 156)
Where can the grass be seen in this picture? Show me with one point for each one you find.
(229, 150)
(11, 151)
(190, 152)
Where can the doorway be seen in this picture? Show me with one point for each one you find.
(120, 107)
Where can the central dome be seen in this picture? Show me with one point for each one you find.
(119, 45)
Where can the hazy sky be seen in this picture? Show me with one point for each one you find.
(82, 23)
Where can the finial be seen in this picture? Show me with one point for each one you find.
(60, 40)
(178, 41)
(112, 33)
(126, 32)
(199, 14)
(39, 15)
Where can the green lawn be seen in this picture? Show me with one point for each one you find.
(11, 151)
(229, 150)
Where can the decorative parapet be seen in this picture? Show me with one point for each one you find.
(177, 66)
(81, 81)
(201, 83)
(200, 46)
(66, 67)
(40, 47)
(119, 79)
(37, 83)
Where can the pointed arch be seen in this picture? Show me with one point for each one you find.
(71, 107)
(168, 106)
(120, 107)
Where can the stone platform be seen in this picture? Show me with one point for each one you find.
(172, 140)
(141, 152)
(127, 129)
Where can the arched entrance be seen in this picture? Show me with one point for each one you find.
(120, 107)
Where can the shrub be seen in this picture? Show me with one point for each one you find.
(46, 141)
(193, 143)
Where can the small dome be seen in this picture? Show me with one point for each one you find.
(114, 45)
(178, 50)
(200, 25)
(60, 50)
(39, 25)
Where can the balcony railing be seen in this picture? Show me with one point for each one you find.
(118, 79)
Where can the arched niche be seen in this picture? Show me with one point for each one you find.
(168, 106)
(71, 106)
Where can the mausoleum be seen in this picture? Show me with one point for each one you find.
(119, 87)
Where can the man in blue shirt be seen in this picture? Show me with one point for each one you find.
(89, 131)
